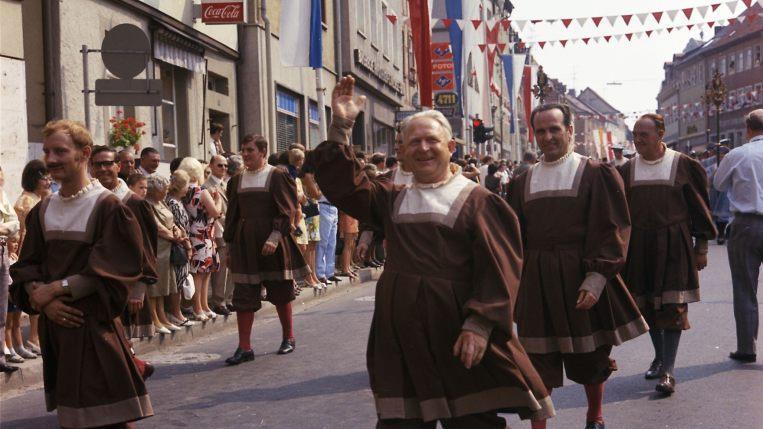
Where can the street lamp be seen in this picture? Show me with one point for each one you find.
(715, 93)
(541, 89)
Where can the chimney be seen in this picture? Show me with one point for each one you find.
(572, 92)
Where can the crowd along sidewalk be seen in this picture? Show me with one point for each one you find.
(29, 375)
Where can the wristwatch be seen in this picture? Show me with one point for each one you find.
(65, 285)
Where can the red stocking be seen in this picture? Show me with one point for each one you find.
(595, 394)
(284, 315)
(245, 319)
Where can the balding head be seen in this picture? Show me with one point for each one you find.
(754, 123)
(218, 165)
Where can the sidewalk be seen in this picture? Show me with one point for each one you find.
(29, 375)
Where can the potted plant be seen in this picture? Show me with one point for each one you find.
(125, 132)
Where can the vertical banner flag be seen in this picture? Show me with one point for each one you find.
(420, 28)
(301, 33)
(610, 150)
(527, 98)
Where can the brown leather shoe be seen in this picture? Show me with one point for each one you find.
(667, 384)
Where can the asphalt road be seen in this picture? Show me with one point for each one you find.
(324, 383)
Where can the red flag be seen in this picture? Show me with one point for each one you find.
(482, 47)
(732, 21)
(505, 23)
(711, 24)
(566, 22)
(629, 35)
(422, 39)
(607, 38)
(688, 11)
(649, 33)
(535, 21)
(658, 16)
(715, 6)
(586, 39)
(476, 23)
(670, 29)
(527, 97)
(392, 19)
(597, 20)
(501, 47)
(689, 27)
(747, 2)
(563, 42)
(541, 44)
(626, 18)
(751, 17)
(446, 22)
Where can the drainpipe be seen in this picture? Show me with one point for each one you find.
(270, 102)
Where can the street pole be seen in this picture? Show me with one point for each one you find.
(320, 91)
(85, 90)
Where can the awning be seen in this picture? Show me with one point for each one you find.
(175, 49)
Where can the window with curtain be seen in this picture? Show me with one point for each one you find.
(314, 120)
(288, 119)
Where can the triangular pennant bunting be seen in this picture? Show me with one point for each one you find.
(629, 36)
(657, 16)
(732, 6)
(566, 22)
(476, 23)
(649, 33)
(501, 47)
(702, 10)
(482, 47)
(751, 17)
(714, 6)
(732, 21)
(535, 21)
(392, 18)
(581, 21)
(612, 20)
(586, 39)
(596, 20)
(642, 17)
(672, 15)
(741, 18)
(541, 44)
(670, 29)
(563, 42)
(688, 11)
(690, 26)
(747, 3)
(505, 24)
(607, 38)
(627, 19)
(446, 22)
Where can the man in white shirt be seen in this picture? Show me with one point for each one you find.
(486, 161)
(216, 144)
(740, 174)
(149, 161)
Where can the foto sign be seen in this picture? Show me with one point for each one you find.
(222, 11)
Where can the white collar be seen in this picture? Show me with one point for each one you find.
(756, 139)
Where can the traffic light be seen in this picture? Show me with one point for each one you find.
(481, 132)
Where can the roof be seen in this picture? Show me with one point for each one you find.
(593, 99)
(578, 106)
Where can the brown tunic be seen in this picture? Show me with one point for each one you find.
(668, 202)
(573, 233)
(88, 371)
(261, 206)
(453, 261)
(141, 325)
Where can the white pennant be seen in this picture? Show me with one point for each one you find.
(612, 20)
(741, 18)
(551, 21)
(521, 24)
(672, 15)
(619, 37)
(460, 23)
(582, 21)
(642, 17)
(702, 10)
(732, 5)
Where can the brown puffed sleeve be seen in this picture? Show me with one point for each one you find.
(29, 266)
(232, 216)
(342, 180)
(701, 225)
(608, 229)
(284, 191)
(514, 198)
(150, 235)
(497, 253)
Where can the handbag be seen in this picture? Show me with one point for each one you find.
(189, 288)
(311, 210)
(178, 255)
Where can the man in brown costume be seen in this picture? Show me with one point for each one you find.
(82, 250)
(262, 201)
(137, 316)
(572, 305)
(668, 200)
(442, 345)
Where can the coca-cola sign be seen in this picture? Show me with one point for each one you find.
(222, 12)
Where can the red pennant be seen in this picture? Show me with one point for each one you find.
(501, 47)
(649, 33)
(505, 23)
(626, 18)
(670, 29)
(629, 35)
(541, 44)
(597, 20)
(392, 19)
(751, 17)
(566, 22)
(607, 38)
(657, 16)
(446, 22)
(689, 27)
(476, 23)
(482, 47)
(563, 42)
(732, 21)
(715, 6)
(586, 39)
(535, 21)
(747, 2)
(711, 24)
(521, 45)
(688, 11)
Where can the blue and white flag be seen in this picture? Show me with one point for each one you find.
(301, 33)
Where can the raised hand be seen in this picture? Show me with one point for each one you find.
(343, 103)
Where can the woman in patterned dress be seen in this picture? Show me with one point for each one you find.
(177, 190)
(203, 208)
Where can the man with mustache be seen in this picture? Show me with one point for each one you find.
(137, 316)
(572, 305)
(82, 251)
(442, 346)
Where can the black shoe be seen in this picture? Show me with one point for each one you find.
(4, 367)
(324, 280)
(667, 385)
(287, 346)
(148, 370)
(334, 279)
(743, 357)
(221, 310)
(231, 308)
(240, 356)
(594, 425)
(654, 371)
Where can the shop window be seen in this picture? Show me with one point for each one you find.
(384, 137)
(169, 114)
(288, 119)
(217, 83)
(315, 122)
